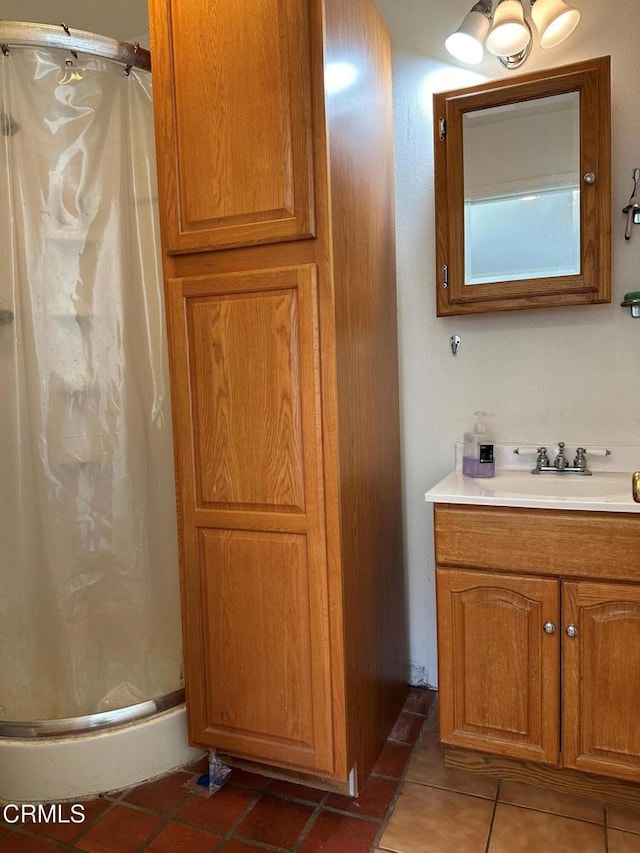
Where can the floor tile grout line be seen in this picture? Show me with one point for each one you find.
(493, 817)
(234, 833)
(22, 829)
(458, 791)
(400, 782)
(555, 814)
(365, 818)
(173, 815)
(297, 800)
(224, 835)
(385, 776)
(306, 829)
(167, 817)
(259, 845)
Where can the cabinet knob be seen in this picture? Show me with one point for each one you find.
(571, 631)
(549, 628)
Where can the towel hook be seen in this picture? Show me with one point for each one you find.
(632, 210)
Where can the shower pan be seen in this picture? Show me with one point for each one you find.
(89, 595)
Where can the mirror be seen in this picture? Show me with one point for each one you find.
(522, 179)
(522, 190)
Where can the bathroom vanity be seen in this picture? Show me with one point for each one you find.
(538, 604)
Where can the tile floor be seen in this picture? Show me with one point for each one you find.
(410, 804)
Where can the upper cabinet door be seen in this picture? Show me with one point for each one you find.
(232, 104)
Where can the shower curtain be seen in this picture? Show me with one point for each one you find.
(89, 601)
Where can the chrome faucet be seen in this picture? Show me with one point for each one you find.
(561, 464)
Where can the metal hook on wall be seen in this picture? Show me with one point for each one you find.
(632, 210)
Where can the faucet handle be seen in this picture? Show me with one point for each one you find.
(561, 462)
(542, 459)
(580, 462)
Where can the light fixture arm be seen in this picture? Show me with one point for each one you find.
(518, 59)
(485, 7)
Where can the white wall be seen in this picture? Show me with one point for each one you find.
(569, 374)
(121, 19)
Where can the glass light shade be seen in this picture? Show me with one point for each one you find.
(509, 34)
(466, 44)
(554, 21)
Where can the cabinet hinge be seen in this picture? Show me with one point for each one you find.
(445, 276)
(443, 129)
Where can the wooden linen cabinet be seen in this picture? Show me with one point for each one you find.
(277, 218)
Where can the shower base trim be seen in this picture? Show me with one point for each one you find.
(30, 729)
(80, 767)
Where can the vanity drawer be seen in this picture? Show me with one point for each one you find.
(597, 545)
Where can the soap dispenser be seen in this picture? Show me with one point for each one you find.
(477, 455)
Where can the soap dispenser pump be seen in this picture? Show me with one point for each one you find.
(477, 455)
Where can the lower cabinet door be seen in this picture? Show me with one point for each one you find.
(498, 650)
(255, 602)
(601, 678)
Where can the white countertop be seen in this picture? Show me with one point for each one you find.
(608, 490)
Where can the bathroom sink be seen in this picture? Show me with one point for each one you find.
(599, 485)
(608, 489)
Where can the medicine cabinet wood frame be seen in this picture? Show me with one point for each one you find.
(591, 79)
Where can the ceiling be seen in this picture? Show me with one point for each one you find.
(120, 19)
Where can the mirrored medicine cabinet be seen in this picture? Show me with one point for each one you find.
(522, 191)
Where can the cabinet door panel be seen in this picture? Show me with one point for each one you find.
(601, 679)
(233, 107)
(245, 379)
(498, 669)
(247, 425)
(256, 597)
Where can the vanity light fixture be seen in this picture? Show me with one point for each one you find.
(504, 28)
(554, 21)
(466, 44)
(510, 35)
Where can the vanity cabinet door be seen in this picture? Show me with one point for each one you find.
(601, 678)
(498, 666)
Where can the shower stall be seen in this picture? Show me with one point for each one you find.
(89, 593)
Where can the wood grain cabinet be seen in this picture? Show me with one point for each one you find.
(274, 146)
(498, 670)
(539, 644)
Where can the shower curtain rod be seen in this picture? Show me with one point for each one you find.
(75, 41)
